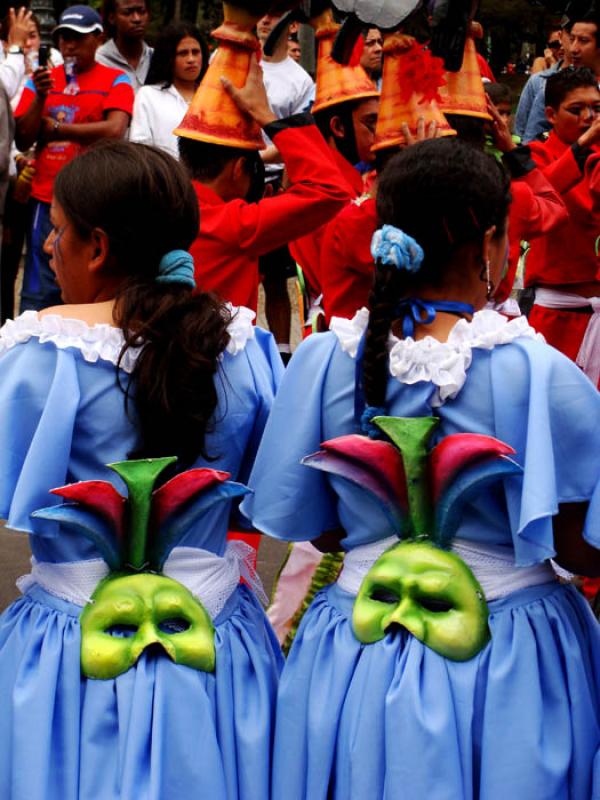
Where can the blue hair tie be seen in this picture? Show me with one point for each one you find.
(367, 426)
(176, 266)
(390, 245)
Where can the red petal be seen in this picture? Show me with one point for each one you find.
(459, 450)
(174, 493)
(100, 496)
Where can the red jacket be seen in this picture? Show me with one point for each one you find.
(306, 250)
(567, 255)
(233, 235)
(536, 209)
(346, 261)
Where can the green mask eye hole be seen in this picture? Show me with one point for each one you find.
(383, 595)
(122, 631)
(435, 605)
(172, 626)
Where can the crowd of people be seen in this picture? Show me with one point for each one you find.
(430, 451)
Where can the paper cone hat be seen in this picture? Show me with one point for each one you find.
(336, 83)
(213, 116)
(410, 84)
(463, 93)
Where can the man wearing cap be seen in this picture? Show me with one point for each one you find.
(126, 22)
(64, 110)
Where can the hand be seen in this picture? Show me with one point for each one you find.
(549, 57)
(48, 130)
(252, 98)
(500, 129)
(18, 27)
(431, 132)
(43, 81)
(591, 136)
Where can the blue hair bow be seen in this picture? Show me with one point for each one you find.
(390, 245)
(177, 266)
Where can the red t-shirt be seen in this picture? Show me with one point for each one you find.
(101, 89)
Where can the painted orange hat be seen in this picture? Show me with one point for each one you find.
(213, 116)
(409, 91)
(463, 93)
(336, 83)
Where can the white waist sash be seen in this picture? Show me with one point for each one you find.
(493, 567)
(210, 578)
(588, 357)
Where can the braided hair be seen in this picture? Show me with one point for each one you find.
(445, 194)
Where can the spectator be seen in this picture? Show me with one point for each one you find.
(501, 97)
(64, 113)
(12, 68)
(371, 59)
(553, 52)
(179, 61)
(294, 49)
(530, 119)
(126, 21)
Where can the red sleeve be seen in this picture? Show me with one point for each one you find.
(120, 96)
(317, 192)
(563, 173)
(592, 174)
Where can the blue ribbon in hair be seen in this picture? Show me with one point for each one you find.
(176, 266)
(415, 311)
(390, 245)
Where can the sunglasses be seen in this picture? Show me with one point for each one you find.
(555, 45)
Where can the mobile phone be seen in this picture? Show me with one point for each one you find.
(43, 55)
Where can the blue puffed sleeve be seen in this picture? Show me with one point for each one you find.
(39, 398)
(548, 410)
(290, 501)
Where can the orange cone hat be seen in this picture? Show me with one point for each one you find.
(410, 83)
(336, 83)
(463, 93)
(213, 116)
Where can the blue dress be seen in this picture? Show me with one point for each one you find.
(395, 720)
(159, 730)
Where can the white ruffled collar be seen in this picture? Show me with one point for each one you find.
(102, 342)
(444, 364)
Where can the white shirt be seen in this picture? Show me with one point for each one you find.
(290, 88)
(156, 113)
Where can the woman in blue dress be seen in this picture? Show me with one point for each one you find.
(199, 380)
(394, 719)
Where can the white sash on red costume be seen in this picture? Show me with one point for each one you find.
(588, 357)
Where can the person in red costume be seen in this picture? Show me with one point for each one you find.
(345, 110)
(236, 227)
(563, 266)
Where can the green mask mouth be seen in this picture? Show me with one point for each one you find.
(428, 591)
(130, 613)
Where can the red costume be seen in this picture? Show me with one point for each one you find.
(234, 234)
(346, 261)
(306, 250)
(565, 261)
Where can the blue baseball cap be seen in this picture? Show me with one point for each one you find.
(81, 19)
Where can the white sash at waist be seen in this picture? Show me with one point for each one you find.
(210, 578)
(588, 357)
(493, 567)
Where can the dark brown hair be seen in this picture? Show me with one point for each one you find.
(144, 201)
(445, 194)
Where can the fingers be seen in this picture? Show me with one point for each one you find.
(421, 129)
(409, 138)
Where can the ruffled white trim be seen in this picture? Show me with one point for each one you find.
(444, 364)
(101, 341)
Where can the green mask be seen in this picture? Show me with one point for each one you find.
(429, 591)
(129, 613)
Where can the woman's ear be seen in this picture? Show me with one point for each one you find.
(100, 250)
(486, 245)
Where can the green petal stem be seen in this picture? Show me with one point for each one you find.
(140, 477)
(411, 436)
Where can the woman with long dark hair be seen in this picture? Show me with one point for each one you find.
(133, 366)
(179, 61)
(398, 684)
